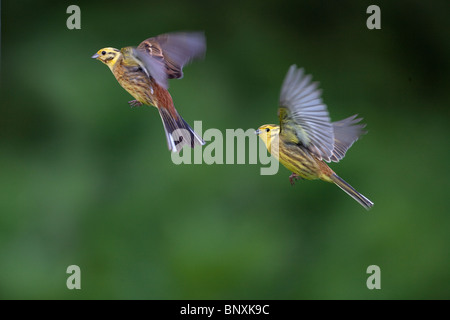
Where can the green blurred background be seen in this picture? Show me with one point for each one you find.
(86, 180)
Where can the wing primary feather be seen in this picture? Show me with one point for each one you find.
(306, 116)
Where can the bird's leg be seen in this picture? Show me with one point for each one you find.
(135, 103)
(293, 177)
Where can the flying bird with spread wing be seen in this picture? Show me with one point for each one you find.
(144, 71)
(306, 137)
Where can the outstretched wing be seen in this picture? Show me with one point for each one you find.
(165, 56)
(303, 116)
(346, 132)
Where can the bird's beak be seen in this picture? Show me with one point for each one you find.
(258, 132)
(95, 56)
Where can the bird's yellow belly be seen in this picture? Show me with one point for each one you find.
(298, 160)
(138, 85)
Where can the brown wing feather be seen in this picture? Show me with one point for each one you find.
(174, 50)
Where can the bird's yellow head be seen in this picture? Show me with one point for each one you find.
(268, 133)
(108, 56)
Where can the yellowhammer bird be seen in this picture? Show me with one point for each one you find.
(306, 137)
(144, 70)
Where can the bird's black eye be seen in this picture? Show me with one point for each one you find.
(103, 52)
(267, 130)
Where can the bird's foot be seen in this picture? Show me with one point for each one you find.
(135, 103)
(293, 177)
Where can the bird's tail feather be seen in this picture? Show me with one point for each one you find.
(362, 200)
(178, 132)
